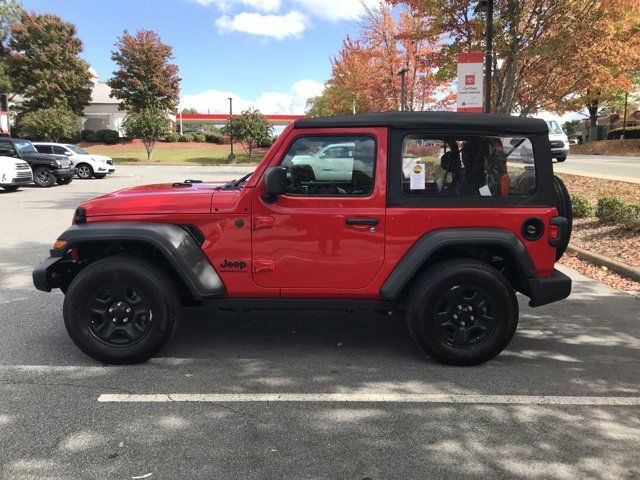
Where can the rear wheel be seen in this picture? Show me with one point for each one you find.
(121, 309)
(11, 188)
(561, 159)
(565, 209)
(43, 177)
(84, 171)
(462, 312)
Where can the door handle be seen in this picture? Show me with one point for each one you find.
(362, 221)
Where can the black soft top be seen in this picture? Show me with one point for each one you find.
(436, 120)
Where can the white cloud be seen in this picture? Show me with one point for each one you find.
(336, 10)
(276, 26)
(261, 5)
(293, 102)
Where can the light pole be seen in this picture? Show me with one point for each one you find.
(487, 6)
(403, 95)
(180, 104)
(232, 157)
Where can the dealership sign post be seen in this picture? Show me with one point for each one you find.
(470, 82)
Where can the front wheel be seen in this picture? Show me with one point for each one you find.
(43, 177)
(462, 312)
(561, 159)
(121, 309)
(84, 171)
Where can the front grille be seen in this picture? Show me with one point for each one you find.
(557, 144)
(22, 166)
(26, 174)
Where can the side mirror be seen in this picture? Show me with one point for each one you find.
(275, 183)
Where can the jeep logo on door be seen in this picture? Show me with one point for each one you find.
(233, 266)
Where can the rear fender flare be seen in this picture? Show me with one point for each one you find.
(431, 242)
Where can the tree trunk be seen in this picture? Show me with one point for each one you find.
(505, 98)
(148, 145)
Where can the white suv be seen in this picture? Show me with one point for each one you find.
(87, 164)
(14, 173)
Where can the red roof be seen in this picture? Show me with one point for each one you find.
(225, 116)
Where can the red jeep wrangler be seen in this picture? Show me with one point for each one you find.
(444, 216)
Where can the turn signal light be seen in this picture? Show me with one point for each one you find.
(60, 244)
(554, 232)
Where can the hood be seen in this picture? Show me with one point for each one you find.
(165, 198)
(64, 160)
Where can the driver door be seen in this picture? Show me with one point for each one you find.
(327, 232)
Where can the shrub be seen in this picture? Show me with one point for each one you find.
(631, 219)
(199, 137)
(581, 206)
(49, 124)
(631, 132)
(188, 137)
(172, 137)
(610, 210)
(86, 133)
(110, 137)
(265, 142)
(214, 137)
(92, 137)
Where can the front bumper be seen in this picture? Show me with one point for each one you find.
(560, 152)
(545, 290)
(44, 276)
(64, 172)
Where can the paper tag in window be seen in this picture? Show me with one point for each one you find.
(484, 191)
(416, 177)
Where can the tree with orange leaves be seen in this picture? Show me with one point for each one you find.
(364, 74)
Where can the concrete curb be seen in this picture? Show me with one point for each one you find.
(602, 261)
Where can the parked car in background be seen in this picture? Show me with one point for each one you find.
(557, 138)
(86, 164)
(47, 169)
(14, 173)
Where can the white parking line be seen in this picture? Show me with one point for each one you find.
(369, 398)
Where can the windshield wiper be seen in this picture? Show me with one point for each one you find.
(235, 183)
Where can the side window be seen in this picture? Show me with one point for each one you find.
(330, 165)
(473, 166)
(59, 150)
(43, 148)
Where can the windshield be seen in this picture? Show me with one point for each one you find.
(75, 149)
(25, 146)
(554, 128)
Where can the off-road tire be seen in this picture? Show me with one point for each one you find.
(150, 282)
(11, 188)
(64, 181)
(565, 209)
(84, 171)
(43, 177)
(561, 159)
(424, 316)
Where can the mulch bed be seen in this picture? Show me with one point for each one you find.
(629, 147)
(610, 241)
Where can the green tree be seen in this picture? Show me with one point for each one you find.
(145, 78)
(189, 110)
(573, 127)
(10, 12)
(147, 124)
(44, 64)
(49, 124)
(319, 106)
(251, 128)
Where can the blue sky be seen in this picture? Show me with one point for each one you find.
(272, 54)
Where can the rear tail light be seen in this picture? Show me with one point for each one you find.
(554, 232)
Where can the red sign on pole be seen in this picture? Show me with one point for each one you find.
(470, 82)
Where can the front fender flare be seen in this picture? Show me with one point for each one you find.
(176, 245)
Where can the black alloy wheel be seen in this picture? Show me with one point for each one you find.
(43, 177)
(119, 315)
(464, 316)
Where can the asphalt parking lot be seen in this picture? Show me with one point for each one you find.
(305, 395)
